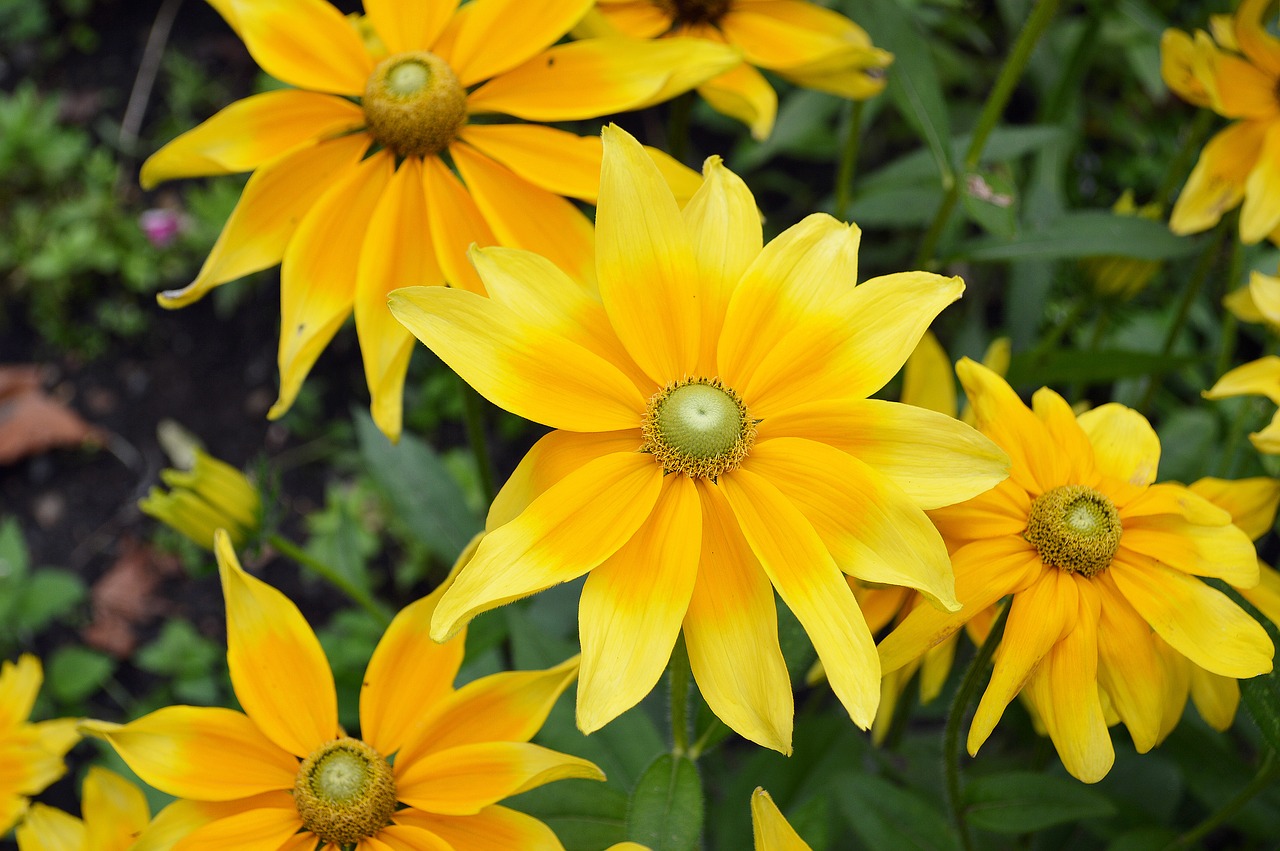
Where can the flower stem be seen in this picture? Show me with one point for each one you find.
(1191, 142)
(357, 595)
(474, 419)
(848, 160)
(992, 109)
(1268, 771)
(680, 675)
(955, 716)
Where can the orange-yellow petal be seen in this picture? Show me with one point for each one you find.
(1251, 502)
(396, 837)
(494, 828)
(1260, 214)
(1178, 68)
(1262, 48)
(264, 829)
(19, 685)
(488, 37)
(927, 378)
(1216, 697)
(409, 26)
(1217, 183)
(306, 43)
(456, 224)
(743, 93)
(1130, 670)
(1220, 551)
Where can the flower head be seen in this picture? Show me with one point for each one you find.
(351, 191)
(800, 41)
(208, 496)
(114, 812)
(1237, 77)
(1120, 277)
(1103, 569)
(714, 442)
(30, 754)
(284, 767)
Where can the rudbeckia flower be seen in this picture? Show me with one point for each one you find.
(208, 496)
(283, 775)
(1260, 377)
(30, 754)
(714, 442)
(1101, 563)
(1239, 78)
(350, 190)
(114, 813)
(800, 41)
(1120, 277)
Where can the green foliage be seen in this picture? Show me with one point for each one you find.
(666, 807)
(31, 601)
(1022, 802)
(192, 665)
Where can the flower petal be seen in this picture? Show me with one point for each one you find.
(206, 753)
(19, 686)
(1175, 499)
(1178, 68)
(305, 43)
(1262, 48)
(1265, 596)
(252, 830)
(770, 828)
(1239, 88)
(1260, 214)
(780, 34)
(404, 27)
(641, 237)
(1067, 434)
(252, 132)
(182, 817)
(278, 669)
(397, 252)
(1221, 551)
(935, 459)
(114, 810)
(573, 526)
(317, 278)
(633, 603)
(731, 632)
(1125, 446)
(398, 837)
(494, 828)
(464, 780)
(456, 224)
(1217, 182)
(743, 93)
(1259, 377)
(1130, 670)
(487, 37)
(517, 364)
(1252, 502)
(47, 829)
(1216, 697)
(1199, 622)
(274, 201)
(601, 76)
(928, 379)
(810, 583)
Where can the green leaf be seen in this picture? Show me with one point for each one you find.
(887, 818)
(587, 816)
(47, 596)
(76, 672)
(1022, 802)
(340, 536)
(1260, 694)
(1090, 233)
(422, 494)
(1066, 366)
(918, 167)
(667, 806)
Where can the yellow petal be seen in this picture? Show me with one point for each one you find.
(409, 26)
(487, 37)
(466, 779)
(743, 93)
(518, 364)
(1220, 551)
(456, 224)
(1198, 621)
(1170, 498)
(1267, 441)
(47, 829)
(870, 527)
(114, 810)
(1217, 182)
(252, 132)
(770, 828)
(927, 378)
(1265, 596)
(1262, 48)
(1239, 89)
(935, 459)
(572, 527)
(1130, 670)
(809, 582)
(407, 675)
(1178, 68)
(278, 670)
(207, 753)
(641, 237)
(492, 829)
(1067, 434)
(1259, 377)
(1264, 294)
(558, 161)
(1261, 211)
(786, 33)
(252, 830)
(397, 252)
(601, 76)
(731, 632)
(305, 43)
(182, 817)
(1216, 697)
(636, 18)
(19, 685)
(1251, 502)
(522, 215)
(395, 837)
(317, 278)
(1125, 446)
(632, 606)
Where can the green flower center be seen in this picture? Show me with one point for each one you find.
(698, 427)
(694, 11)
(345, 791)
(414, 104)
(1074, 528)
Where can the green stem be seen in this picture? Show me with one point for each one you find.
(715, 733)
(474, 419)
(357, 595)
(848, 160)
(1268, 771)
(1181, 161)
(992, 109)
(680, 675)
(1055, 335)
(678, 125)
(955, 716)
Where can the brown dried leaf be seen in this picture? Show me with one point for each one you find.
(31, 422)
(125, 597)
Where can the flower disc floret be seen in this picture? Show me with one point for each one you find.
(414, 104)
(695, 11)
(345, 791)
(1074, 528)
(698, 427)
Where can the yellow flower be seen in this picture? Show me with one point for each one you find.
(114, 810)
(348, 225)
(30, 754)
(1255, 378)
(1100, 562)
(1124, 277)
(1239, 79)
(211, 495)
(800, 41)
(284, 772)
(1257, 302)
(714, 442)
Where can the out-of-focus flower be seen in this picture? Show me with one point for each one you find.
(284, 772)
(1256, 378)
(418, 89)
(113, 813)
(1104, 569)
(1124, 277)
(714, 442)
(162, 225)
(30, 754)
(211, 495)
(800, 41)
(1238, 78)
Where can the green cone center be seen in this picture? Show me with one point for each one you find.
(1074, 528)
(414, 104)
(698, 427)
(345, 791)
(695, 11)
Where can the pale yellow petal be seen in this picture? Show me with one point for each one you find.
(1264, 294)
(771, 830)
(19, 685)
(1177, 67)
(1260, 214)
(48, 829)
(1220, 551)
(743, 93)
(115, 811)
(1125, 446)
(1259, 377)
(928, 377)
(1068, 435)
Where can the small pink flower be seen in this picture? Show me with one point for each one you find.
(162, 225)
